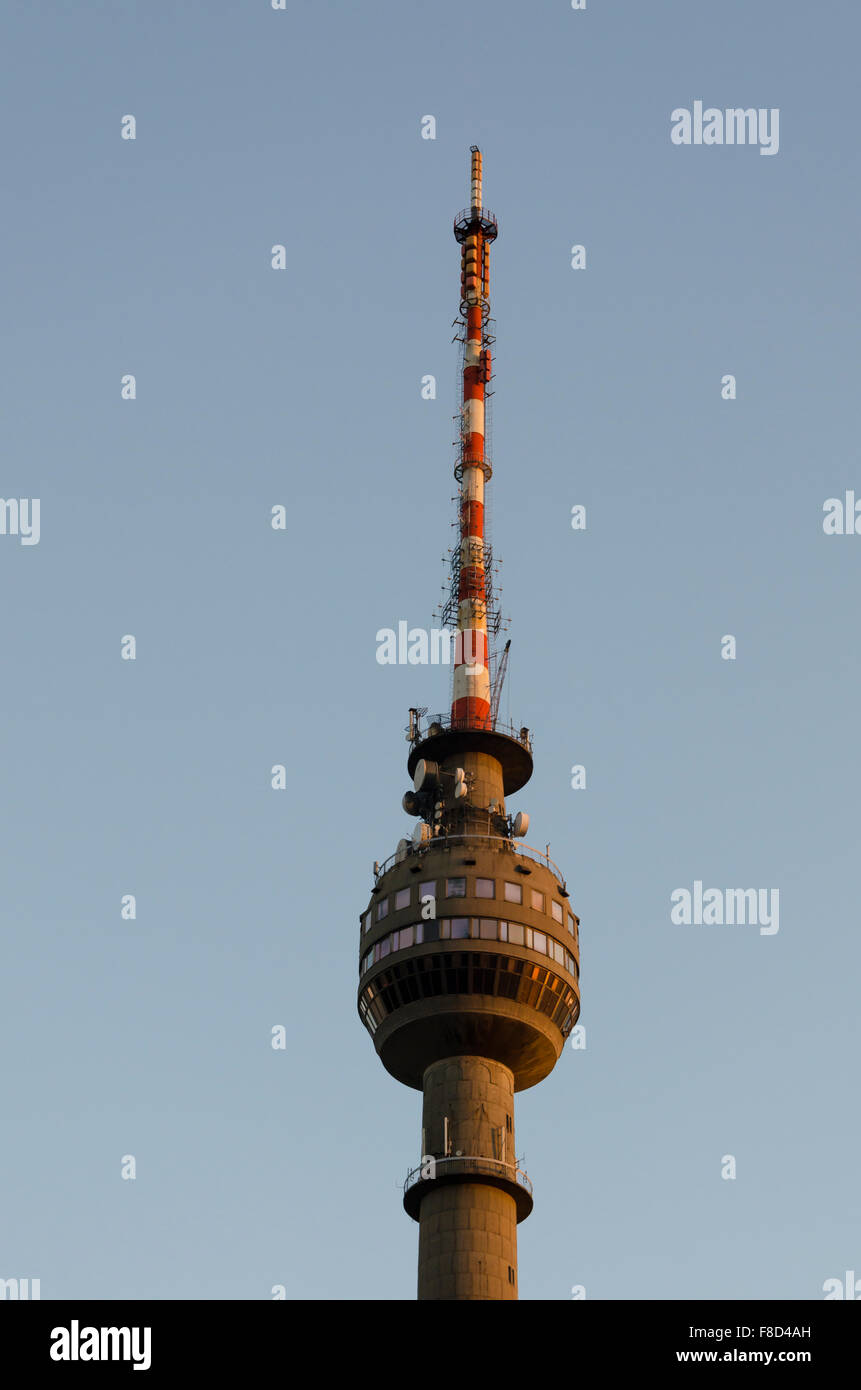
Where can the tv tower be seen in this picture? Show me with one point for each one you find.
(469, 956)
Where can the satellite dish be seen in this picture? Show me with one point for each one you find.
(521, 825)
(401, 851)
(421, 834)
(426, 776)
(410, 803)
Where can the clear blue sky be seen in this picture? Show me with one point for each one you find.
(255, 647)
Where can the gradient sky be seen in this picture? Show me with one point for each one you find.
(255, 647)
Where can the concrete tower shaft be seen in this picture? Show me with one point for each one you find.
(469, 959)
(468, 1222)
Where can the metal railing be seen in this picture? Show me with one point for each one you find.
(469, 1163)
(446, 841)
(520, 735)
(467, 216)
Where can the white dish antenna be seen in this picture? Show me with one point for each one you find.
(426, 776)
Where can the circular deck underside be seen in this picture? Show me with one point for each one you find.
(514, 758)
(468, 1025)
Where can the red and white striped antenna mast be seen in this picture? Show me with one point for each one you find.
(474, 228)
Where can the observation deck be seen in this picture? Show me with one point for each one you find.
(469, 946)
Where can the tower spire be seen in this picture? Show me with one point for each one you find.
(475, 228)
(476, 177)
